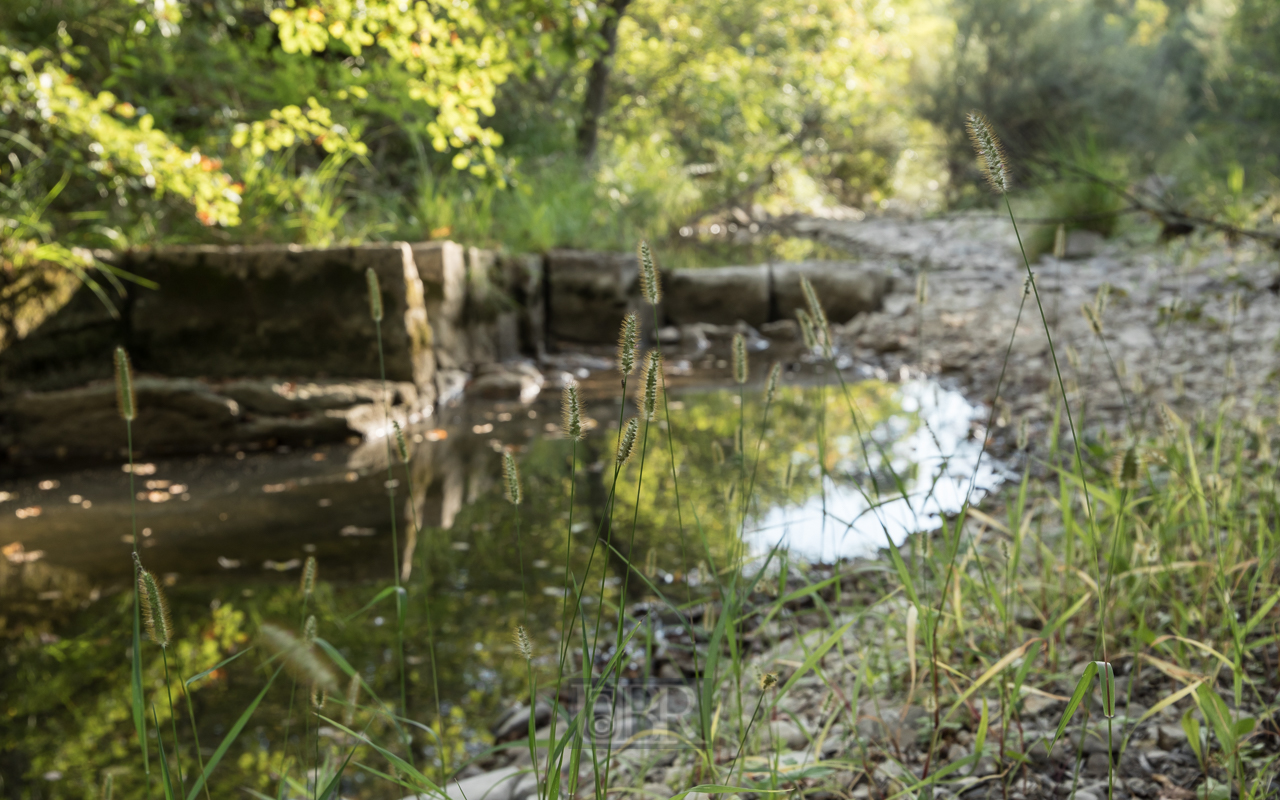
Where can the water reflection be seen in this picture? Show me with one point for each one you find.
(928, 445)
(229, 532)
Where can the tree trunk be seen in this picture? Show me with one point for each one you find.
(598, 81)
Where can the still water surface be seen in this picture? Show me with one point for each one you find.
(230, 532)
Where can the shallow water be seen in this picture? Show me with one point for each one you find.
(229, 533)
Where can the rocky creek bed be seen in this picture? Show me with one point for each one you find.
(1192, 325)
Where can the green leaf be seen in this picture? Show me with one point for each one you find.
(1191, 727)
(214, 668)
(980, 739)
(1107, 682)
(1261, 613)
(378, 598)
(231, 736)
(1245, 726)
(1077, 697)
(1215, 711)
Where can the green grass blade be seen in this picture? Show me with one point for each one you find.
(230, 738)
(214, 668)
(1260, 614)
(816, 656)
(980, 738)
(139, 716)
(1107, 682)
(1077, 697)
(1191, 727)
(331, 789)
(716, 788)
(166, 780)
(1215, 711)
(901, 567)
(423, 781)
(378, 598)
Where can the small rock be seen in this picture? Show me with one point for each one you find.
(1169, 737)
(1094, 743)
(895, 305)
(1084, 244)
(787, 735)
(514, 724)
(1097, 765)
(786, 330)
(518, 381)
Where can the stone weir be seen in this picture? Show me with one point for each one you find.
(249, 347)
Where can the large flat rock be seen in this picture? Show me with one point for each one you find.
(186, 415)
(227, 312)
(718, 295)
(589, 293)
(846, 288)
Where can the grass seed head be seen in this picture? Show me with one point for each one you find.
(353, 700)
(1091, 315)
(628, 339)
(816, 312)
(521, 638)
(806, 329)
(299, 657)
(922, 288)
(992, 159)
(768, 680)
(771, 383)
(739, 358)
(1126, 467)
(651, 386)
(319, 697)
(375, 295)
(1060, 242)
(155, 609)
(309, 576)
(402, 446)
(309, 629)
(1023, 433)
(649, 282)
(125, 397)
(571, 409)
(627, 441)
(511, 478)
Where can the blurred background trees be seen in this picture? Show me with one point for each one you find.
(541, 123)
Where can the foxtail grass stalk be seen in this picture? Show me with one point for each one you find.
(128, 406)
(402, 448)
(515, 495)
(571, 409)
(955, 547)
(159, 626)
(995, 167)
(648, 403)
(376, 313)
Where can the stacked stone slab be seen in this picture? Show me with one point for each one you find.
(271, 345)
(590, 292)
(228, 336)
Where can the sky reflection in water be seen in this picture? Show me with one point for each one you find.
(928, 444)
